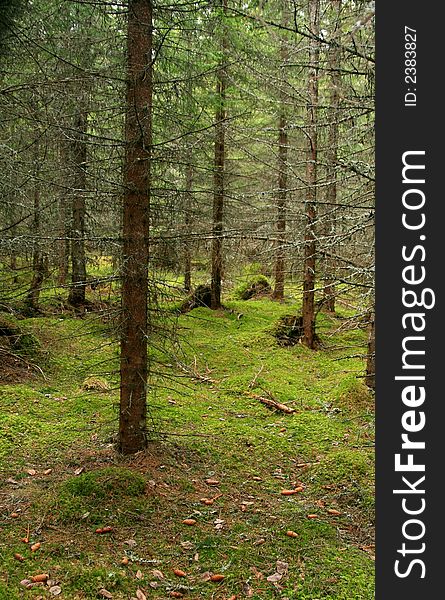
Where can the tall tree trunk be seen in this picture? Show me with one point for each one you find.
(370, 362)
(310, 247)
(219, 175)
(78, 263)
(138, 137)
(63, 246)
(187, 225)
(278, 293)
(38, 267)
(334, 57)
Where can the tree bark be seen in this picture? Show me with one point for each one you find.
(38, 266)
(310, 247)
(138, 137)
(278, 293)
(334, 57)
(187, 225)
(78, 261)
(219, 176)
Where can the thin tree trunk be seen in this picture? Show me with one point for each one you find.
(63, 249)
(38, 269)
(138, 137)
(219, 177)
(370, 363)
(310, 247)
(79, 155)
(334, 57)
(278, 293)
(187, 225)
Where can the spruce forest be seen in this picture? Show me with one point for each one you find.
(187, 299)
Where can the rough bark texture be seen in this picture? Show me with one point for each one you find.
(187, 225)
(38, 266)
(78, 264)
(331, 160)
(310, 248)
(134, 364)
(63, 244)
(219, 176)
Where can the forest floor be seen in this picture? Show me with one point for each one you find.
(218, 459)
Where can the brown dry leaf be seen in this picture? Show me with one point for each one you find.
(47, 471)
(13, 481)
(35, 546)
(334, 512)
(189, 522)
(291, 533)
(25, 582)
(275, 577)
(212, 482)
(176, 594)
(256, 478)
(139, 574)
(158, 574)
(31, 472)
(207, 501)
(39, 578)
(55, 590)
(233, 597)
(282, 567)
(14, 515)
(19, 557)
(106, 529)
(206, 576)
(247, 590)
(292, 492)
(153, 584)
(140, 595)
(125, 560)
(259, 541)
(217, 577)
(105, 593)
(79, 470)
(179, 573)
(312, 516)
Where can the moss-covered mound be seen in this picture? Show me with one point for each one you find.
(255, 287)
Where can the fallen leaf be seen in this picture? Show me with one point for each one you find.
(31, 472)
(188, 545)
(212, 482)
(233, 597)
(259, 542)
(125, 560)
(256, 478)
(47, 471)
(291, 534)
(207, 501)
(312, 516)
(158, 574)
(257, 573)
(38, 578)
(130, 543)
(176, 594)
(292, 492)
(55, 590)
(189, 522)
(106, 529)
(25, 582)
(105, 593)
(25, 540)
(275, 577)
(179, 573)
(139, 574)
(13, 481)
(282, 567)
(217, 577)
(35, 546)
(14, 515)
(140, 595)
(196, 557)
(153, 584)
(206, 576)
(79, 470)
(334, 512)
(19, 557)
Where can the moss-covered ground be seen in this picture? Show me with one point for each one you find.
(210, 438)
